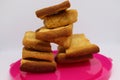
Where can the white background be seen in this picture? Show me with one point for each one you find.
(98, 19)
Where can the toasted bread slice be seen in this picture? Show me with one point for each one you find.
(37, 66)
(32, 54)
(52, 9)
(62, 59)
(51, 34)
(29, 41)
(80, 45)
(60, 36)
(61, 19)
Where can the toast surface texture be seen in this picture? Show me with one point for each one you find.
(61, 19)
(30, 41)
(80, 45)
(32, 54)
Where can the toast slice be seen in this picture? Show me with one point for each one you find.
(61, 19)
(80, 45)
(32, 54)
(52, 9)
(29, 41)
(50, 34)
(37, 66)
(61, 58)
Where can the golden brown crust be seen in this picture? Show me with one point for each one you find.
(37, 66)
(51, 34)
(62, 59)
(61, 19)
(52, 9)
(29, 41)
(27, 53)
(80, 45)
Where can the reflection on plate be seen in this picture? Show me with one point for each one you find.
(98, 68)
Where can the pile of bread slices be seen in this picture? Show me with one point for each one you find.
(58, 21)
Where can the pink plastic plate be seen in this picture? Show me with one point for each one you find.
(98, 68)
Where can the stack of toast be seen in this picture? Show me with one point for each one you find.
(58, 28)
(36, 55)
(58, 23)
(81, 49)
